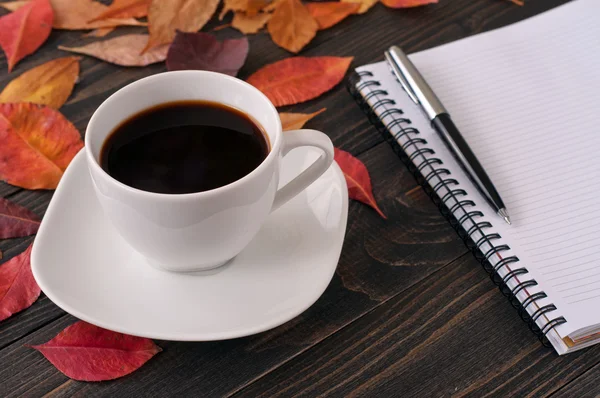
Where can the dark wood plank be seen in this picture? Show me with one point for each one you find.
(584, 386)
(380, 259)
(451, 334)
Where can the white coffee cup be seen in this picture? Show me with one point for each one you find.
(198, 231)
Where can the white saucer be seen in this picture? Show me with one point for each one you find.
(83, 265)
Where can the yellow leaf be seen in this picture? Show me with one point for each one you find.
(48, 84)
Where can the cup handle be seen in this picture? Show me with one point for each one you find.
(299, 138)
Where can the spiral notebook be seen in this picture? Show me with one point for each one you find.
(525, 98)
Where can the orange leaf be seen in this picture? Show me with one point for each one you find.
(122, 50)
(292, 27)
(250, 7)
(100, 32)
(124, 9)
(299, 79)
(167, 17)
(330, 13)
(406, 3)
(38, 144)
(357, 179)
(75, 17)
(365, 5)
(293, 121)
(25, 30)
(48, 84)
(249, 24)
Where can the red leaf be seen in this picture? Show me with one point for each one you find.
(357, 179)
(16, 221)
(23, 31)
(406, 3)
(86, 352)
(18, 289)
(204, 52)
(299, 79)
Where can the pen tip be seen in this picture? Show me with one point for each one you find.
(504, 214)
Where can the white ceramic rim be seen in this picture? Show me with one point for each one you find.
(93, 162)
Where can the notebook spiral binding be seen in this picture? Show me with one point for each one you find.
(430, 168)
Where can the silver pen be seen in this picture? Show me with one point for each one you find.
(419, 91)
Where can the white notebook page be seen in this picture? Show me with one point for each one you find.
(527, 99)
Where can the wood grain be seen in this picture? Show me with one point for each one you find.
(452, 334)
(399, 315)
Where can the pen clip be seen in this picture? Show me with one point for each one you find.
(398, 73)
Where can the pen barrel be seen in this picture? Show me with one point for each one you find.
(467, 160)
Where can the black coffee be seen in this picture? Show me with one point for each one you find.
(184, 147)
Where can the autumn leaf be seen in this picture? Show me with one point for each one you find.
(357, 179)
(299, 79)
(293, 121)
(124, 9)
(25, 30)
(18, 289)
(406, 3)
(365, 5)
(100, 32)
(167, 17)
(75, 15)
(249, 24)
(249, 7)
(89, 353)
(330, 13)
(16, 221)
(203, 51)
(122, 50)
(291, 26)
(38, 144)
(48, 84)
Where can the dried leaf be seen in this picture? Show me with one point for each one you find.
(204, 52)
(293, 121)
(299, 79)
(124, 9)
(123, 50)
(357, 179)
(16, 221)
(292, 27)
(100, 32)
(38, 143)
(48, 84)
(365, 5)
(14, 5)
(25, 30)
(249, 7)
(249, 24)
(18, 289)
(89, 353)
(75, 17)
(167, 17)
(406, 3)
(330, 13)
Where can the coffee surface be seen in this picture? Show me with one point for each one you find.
(184, 147)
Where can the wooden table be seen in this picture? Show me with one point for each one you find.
(409, 311)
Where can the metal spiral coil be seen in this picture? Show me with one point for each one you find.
(438, 179)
